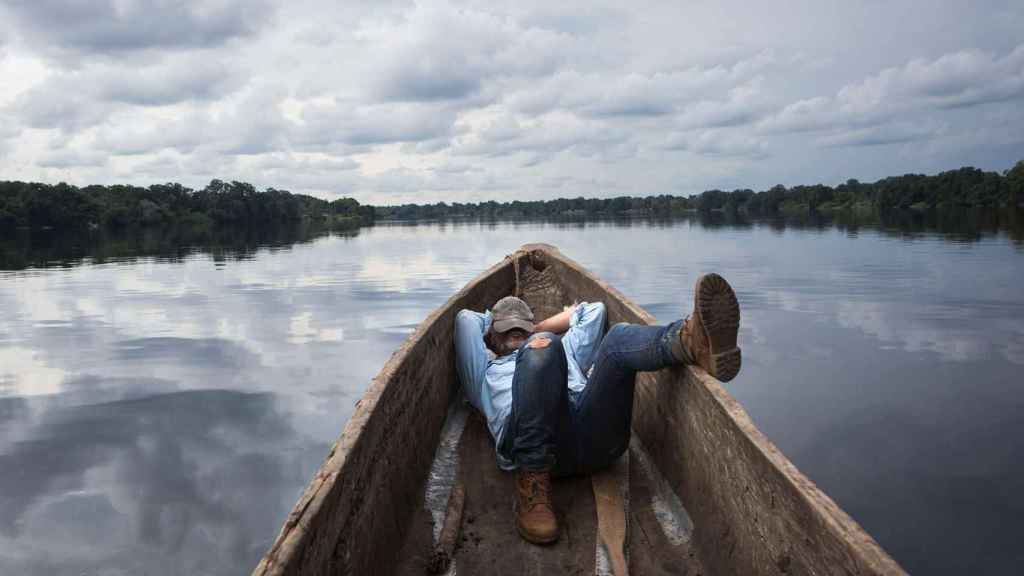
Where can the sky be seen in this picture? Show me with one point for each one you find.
(393, 102)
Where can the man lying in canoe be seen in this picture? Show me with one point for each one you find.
(558, 394)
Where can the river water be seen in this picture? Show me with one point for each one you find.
(164, 400)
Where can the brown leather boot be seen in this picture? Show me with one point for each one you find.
(709, 334)
(535, 517)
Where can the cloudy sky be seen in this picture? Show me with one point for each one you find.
(395, 102)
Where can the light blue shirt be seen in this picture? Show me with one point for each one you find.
(487, 379)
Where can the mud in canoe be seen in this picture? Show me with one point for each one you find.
(703, 491)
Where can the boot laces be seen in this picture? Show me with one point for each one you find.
(538, 491)
(695, 334)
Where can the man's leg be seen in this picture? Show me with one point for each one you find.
(539, 407)
(539, 399)
(604, 410)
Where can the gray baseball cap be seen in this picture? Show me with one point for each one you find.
(511, 312)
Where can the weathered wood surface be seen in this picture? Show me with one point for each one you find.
(444, 550)
(416, 552)
(358, 507)
(651, 553)
(490, 542)
(611, 497)
(753, 511)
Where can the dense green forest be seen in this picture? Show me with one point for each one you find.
(965, 187)
(63, 206)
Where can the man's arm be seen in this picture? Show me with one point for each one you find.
(585, 334)
(471, 354)
(559, 323)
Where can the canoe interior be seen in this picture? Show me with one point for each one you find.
(753, 512)
(489, 543)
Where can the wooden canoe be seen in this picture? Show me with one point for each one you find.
(752, 511)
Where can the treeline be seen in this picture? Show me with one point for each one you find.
(966, 187)
(63, 206)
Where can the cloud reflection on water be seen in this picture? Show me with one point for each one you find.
(185, 480)
(163, 414)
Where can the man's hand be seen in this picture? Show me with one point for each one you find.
(559, 323)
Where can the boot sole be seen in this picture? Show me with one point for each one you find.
(720, 315)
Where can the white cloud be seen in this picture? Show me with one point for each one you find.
(893, 133)
(183, 133)
(543, 136)
(394, 100)
(718, 143)
(743, 104)
(628, 93)
(339, 122)
(79, 99)
(72, 158)
(957, 80)
(965, 78)
(8, 130)
(440, 52)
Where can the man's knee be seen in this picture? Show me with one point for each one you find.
(543, 339)
(617, 329)
(542, 344)
(538, 341)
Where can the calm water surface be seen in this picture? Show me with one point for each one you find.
(160, 414)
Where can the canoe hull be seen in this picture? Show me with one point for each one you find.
(355, 512)
(753, 511)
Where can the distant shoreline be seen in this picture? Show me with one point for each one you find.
(63, 206)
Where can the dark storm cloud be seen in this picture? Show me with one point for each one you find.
(113, 26)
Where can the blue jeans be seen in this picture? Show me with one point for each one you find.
(551, 429)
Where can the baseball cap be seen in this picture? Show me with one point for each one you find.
(511, 312)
